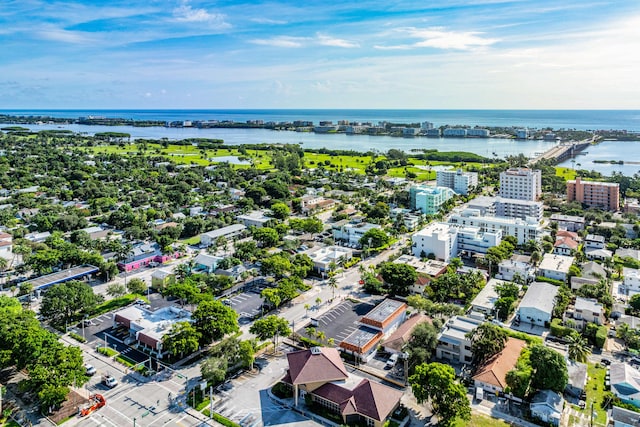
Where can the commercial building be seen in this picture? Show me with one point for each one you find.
(459, 181)
(453, 343)
(323, 257)
(522, 229)
(521, 183)
(397, 341)
(320, 373)
(429, 199)
(537, 304)
(160, 279)
(603, 195)
(149, 327)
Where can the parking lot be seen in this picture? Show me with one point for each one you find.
(341, 320)
(248, 305)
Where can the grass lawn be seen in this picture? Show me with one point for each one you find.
(195, 240)
(478, 420)
(566, 173)
(187, 154)
(595, 392)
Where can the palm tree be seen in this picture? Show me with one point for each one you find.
(535, 257)
(307, 307)
(578, 348)
(333, 284)
(455, 264)
(122, 253)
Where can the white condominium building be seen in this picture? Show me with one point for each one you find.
(521, 183)
(514, 208)
(459, 181)
(522, 229)
(446, 241)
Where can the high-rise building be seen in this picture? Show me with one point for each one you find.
(603, 195)
(521, 183)
(459, 181)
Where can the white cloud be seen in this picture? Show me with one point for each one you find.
(60, 35)
(186, 13)
(269, 21)
(281, 41)
(440, 39)
(331, 41)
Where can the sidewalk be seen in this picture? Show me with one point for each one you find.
(488, 408)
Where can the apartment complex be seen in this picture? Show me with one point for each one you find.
(446, 241)
(514, 208)
(454, 343)
(604, 195)
(521, 183)
(522, 229)
(351, 232)
(459, 181)
(429, 199)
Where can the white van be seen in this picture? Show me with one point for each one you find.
(392, 361)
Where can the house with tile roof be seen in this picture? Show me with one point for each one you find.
(320, 373)
(491, 375)
(401, 336)
(565, 246)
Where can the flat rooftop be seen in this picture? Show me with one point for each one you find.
(384, 310)
(361, 337)
(63, 276)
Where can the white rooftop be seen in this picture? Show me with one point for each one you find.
(154, 324)
(488, 296)
(540, 295)
(552, 262)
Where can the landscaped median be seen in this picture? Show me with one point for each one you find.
(123, 360)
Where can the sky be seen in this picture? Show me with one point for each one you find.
(394, 54)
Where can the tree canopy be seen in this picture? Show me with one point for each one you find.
(213, 320)
(437, 383)
(63, 302)
(399, 277)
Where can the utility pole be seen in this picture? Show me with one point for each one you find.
(210, 402)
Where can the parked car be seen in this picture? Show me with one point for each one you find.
(109, 381)
(392, 361)
(606, 362)
(89, 369)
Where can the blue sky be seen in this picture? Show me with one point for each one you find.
(320, 54)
